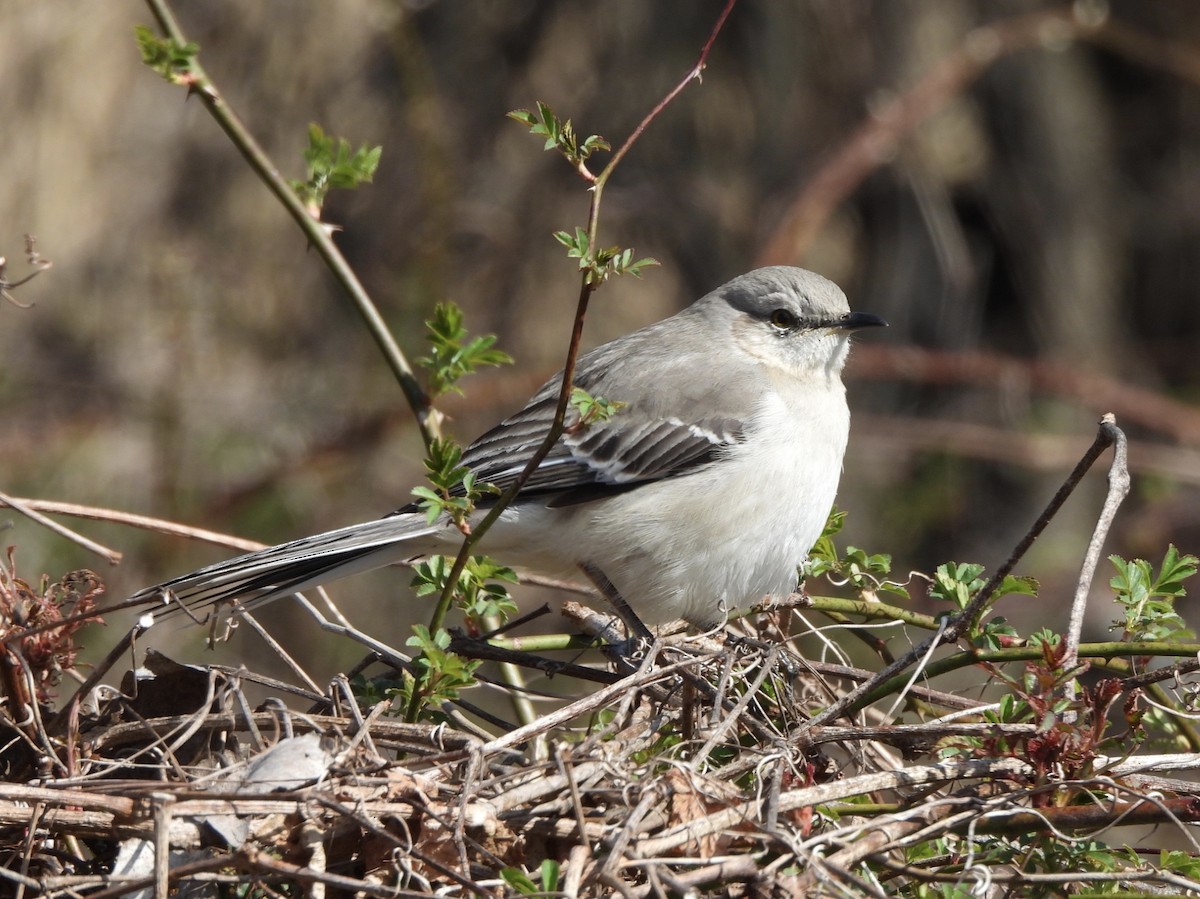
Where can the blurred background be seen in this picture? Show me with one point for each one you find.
(1014, 185)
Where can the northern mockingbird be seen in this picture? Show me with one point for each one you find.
(702, 494)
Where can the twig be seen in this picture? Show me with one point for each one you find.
(276, 647)
(161, 803)
(1118, 488)
(158, 525)
(17, 505)
(967, 617)
(644, 675)
(738, 813)
(317, 233)
(586, 289)
(39, 263)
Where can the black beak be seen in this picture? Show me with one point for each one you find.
(856, 320)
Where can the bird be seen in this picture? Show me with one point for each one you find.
(702, 494)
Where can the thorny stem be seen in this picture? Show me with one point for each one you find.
(693, 74)
(317, 233)
(586, 289)
(965, 619)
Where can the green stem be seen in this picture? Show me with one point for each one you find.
(514, 677)
(545, 643)
(319, 236)
(876, 611)
(1107, 650)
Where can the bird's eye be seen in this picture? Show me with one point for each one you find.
(783, 319)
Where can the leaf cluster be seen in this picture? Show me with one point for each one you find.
(1148, 598)
(453, 354)
(455, 491)
(959, 583)
(865, 573)
(601, 264)
(441, 674)
(560, 135)
(479, 593)
(1075, 721)
(592, 409)
(173, 60)
(332, 164)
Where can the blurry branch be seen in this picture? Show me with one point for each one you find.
(876, 141)
(889, 435)
(994, 370)
(1153, 52)
(318, 234)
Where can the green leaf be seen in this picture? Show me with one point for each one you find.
(1044, 637)
(550, 874)
(331, 164)
(1148, 599)
(592, 409)
(166, 56)
(956, 583)
(518, 880)
(559, 134)
(997, 634)
(452, 354)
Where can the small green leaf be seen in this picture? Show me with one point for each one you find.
(592, 409)
(331, 164)
(1148, 600)
(550, 874)
(997, 634)
(452, 354)
(956, 583)
(559, 134)
(166, 56)
(519, 881)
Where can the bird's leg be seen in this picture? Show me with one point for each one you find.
(620, 606)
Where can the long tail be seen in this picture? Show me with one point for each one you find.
(259, 577)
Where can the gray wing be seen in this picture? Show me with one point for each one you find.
(657, 434)
(604, 457)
